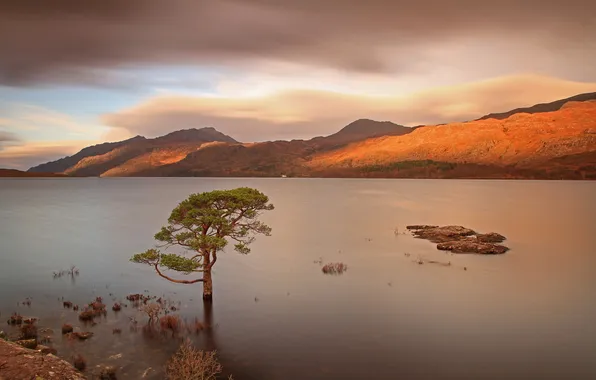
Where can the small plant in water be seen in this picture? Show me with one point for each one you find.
(28, 331)
(334, 268)
(192, 364)
(170, 322)
(152, 310)
(73, 271)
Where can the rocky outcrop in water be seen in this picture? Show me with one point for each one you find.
(458, 239)
(470, 246)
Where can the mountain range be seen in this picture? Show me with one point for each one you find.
(547, 141)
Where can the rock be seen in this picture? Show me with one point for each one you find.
(27, 343)
(442, 234)
(420, 227)
(460, 239)
(491, 237)
(2, 335)
(46, 350)
(470, 246)
(66, 328)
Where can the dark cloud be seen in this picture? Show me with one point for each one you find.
(7, 136)
(70, 40)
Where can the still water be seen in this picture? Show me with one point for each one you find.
(530, 313)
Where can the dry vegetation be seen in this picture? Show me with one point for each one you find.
(190, 363)
(334, 268)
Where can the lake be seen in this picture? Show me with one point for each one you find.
(530, 313)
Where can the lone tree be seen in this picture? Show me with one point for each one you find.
(203, 224)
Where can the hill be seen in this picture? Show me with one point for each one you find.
(271, 158)
(206, 150)
(139, 153)
(543, 107)
(523, 142)
(360, 130)
(63, 164)
(554, 140)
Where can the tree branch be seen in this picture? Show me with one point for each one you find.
(214, 259)
(173, 279)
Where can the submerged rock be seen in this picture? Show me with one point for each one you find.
(471, 246)
(27, 343)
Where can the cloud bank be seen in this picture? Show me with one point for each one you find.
(307, 113)
(72, 41)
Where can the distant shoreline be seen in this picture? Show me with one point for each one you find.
(63, 176)
(13, 173)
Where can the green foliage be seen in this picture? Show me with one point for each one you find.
(180, 263)
(204, 223)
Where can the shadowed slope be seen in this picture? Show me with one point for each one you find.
(543, 107)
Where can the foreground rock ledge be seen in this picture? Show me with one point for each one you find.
(458, 239)
(19, 363)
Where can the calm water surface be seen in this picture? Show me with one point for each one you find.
(530, 313)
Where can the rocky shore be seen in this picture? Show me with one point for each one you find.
(20, 363)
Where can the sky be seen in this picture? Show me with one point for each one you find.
(76, 73)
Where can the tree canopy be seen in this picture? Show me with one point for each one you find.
(204, 224)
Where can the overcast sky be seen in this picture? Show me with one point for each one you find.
(75, 73)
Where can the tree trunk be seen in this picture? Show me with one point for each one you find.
(207, 285)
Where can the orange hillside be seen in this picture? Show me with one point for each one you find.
(521, 138)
